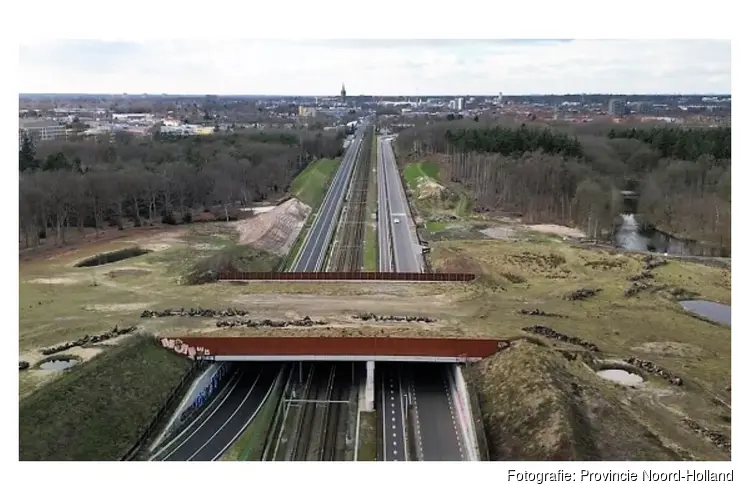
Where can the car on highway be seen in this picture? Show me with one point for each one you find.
(396, 220)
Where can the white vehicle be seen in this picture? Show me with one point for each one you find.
(396, 220)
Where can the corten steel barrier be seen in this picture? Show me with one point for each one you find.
(333, 346)
(343, 276)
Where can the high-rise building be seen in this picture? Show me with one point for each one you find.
(459, 103)
(616, 107)
(500, 99)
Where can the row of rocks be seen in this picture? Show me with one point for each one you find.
(252, 323)
(655, 370)
(552, 334)
(539, 312)
(645, 275)
(87, 340)
(582, 293)
(717, 438)
(652, 262)
(410, 319)
(23, 365)
(195, 312)
(637, 287)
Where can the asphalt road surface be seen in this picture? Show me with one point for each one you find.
(385, 263)
(406, 251)
(438, 436)
(315, 245)
(392, 421)
(224, 418)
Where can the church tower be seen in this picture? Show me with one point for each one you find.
(343, 93)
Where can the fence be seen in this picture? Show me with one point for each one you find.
(343, 276)
(153, 425)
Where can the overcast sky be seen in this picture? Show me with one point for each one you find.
(377, 67)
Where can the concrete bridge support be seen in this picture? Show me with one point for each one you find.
(370, 387)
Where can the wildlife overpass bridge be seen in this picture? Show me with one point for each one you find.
(363, 349)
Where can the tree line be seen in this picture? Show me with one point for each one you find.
(683, 144)
(576, 180)
(126, 180)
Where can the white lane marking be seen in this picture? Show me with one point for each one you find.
(236, 379)
(239, 407)
(385, 443)
(453, 417)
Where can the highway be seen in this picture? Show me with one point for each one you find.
(385, 261)
(439, 438)
(223, 420)
(392, 419)
(406, 251)
(314, 247)
(428, 391)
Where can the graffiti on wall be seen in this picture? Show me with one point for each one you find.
(181, 347)
(206, 393)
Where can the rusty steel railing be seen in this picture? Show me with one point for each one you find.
(343, 276)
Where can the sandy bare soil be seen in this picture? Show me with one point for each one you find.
(557, 230)
(274, 230)
(499, 232)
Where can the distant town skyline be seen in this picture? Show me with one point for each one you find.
(377, 67)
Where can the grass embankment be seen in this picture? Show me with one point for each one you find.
(370, 257)
(539, 405)
(249, 446)
(97, 410)
(310, 187)
(368, 447)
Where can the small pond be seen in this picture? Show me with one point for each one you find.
(714, 311)
(57, 365)
(620, 376)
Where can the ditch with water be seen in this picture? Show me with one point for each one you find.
(631, 235)
(57, 365)
(619, 376)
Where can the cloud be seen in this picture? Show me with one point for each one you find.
(381, 67)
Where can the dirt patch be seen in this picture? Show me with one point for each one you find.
(275, 230)
(126, 272)
(116, 307)
(499, 232)
(62, 280)
(313, 305)
(157, 247)
(428, 189)
(568, 232)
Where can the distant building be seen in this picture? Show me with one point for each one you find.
(41, 131)
(616, 107)
(459, 104)
(644, 107)
(343, 93)
(307, 111)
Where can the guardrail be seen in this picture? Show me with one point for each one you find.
(343, 276)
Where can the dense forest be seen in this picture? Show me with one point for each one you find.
(574, 175)
(126, 180)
